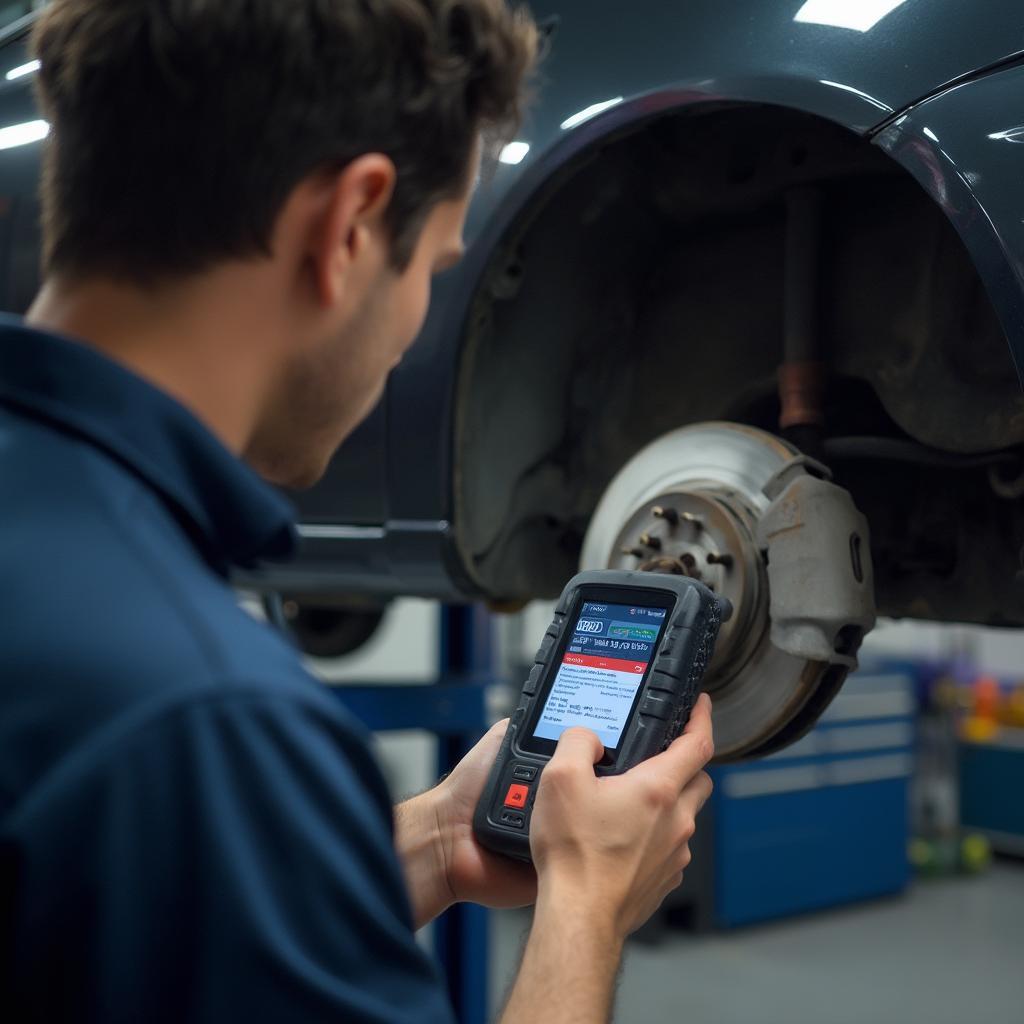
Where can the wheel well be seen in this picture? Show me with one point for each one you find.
(644, 290)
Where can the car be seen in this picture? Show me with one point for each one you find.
(750, 277)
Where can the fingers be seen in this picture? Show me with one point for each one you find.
(687, 754)
(491, 739)
(506, 883)
(577, 746)
(697, 793)
(690, 752)
(700, 716)
(688, 806)
(670, 885)
(488, 744)
(486, 748)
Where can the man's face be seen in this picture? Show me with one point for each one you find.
(330, 387)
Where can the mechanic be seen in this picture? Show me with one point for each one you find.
(243, 206)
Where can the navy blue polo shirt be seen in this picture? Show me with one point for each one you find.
(191, 827)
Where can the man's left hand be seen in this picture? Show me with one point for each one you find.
(443, 862)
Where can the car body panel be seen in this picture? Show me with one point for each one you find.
(381, 519)
(965, 146)
(758, 77)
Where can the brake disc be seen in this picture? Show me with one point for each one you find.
(748, 515)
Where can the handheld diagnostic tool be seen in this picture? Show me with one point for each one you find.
(624, 656)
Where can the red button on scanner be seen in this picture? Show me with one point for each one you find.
(516, 795)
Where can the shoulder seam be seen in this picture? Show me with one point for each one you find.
(164, 581)
(114, 522)
(206, 638)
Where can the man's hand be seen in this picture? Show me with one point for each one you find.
(615, 846)
(607, 851)
(443, 862)
(475, 873)
(620, 842)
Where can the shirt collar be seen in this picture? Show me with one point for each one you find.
(239, 519)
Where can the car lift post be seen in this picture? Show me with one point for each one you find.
(461, 935)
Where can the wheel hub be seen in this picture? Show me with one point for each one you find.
(690, 503)
(706, 534)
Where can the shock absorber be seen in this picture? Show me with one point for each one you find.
(802, 373)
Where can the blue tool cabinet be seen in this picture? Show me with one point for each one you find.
(825, 821)
(989, 770)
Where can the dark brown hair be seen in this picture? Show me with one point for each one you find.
(180, 127)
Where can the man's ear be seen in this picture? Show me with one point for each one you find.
(353, 215)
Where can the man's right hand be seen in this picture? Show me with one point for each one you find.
(607, 852)
(619, 844)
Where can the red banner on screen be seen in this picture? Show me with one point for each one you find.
(614, 664)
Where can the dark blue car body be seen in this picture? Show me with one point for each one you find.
(934, 88)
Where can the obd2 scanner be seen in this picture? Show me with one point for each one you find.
(624, 656)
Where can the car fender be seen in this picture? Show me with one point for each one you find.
(607, 72)
(965, 147)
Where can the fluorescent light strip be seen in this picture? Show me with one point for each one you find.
(23, 69)
(22, 134)
(859, 15)
(588, 112)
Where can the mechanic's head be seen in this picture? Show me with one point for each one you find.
(330, 145)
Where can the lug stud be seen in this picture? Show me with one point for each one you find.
(654, 543)
(723, 560)
(671, 515)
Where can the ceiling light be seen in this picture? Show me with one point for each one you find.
(22, 69)
(860, 15)
(514, 153)
(22, 134)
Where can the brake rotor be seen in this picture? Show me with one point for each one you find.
(690, 503)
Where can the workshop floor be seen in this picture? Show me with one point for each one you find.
(948, 952)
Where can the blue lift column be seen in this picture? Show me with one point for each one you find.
(461, 935)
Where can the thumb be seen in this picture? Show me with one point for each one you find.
(489, 743)
(578, 747)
